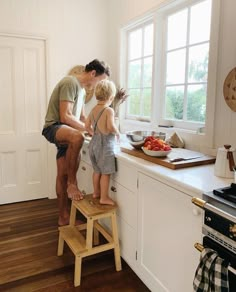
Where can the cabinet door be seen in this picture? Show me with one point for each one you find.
(127, 220)
(85, 153)
(85, 178)
(168, 228)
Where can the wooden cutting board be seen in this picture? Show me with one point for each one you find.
(175, 153)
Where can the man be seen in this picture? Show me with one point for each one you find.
(64, 126)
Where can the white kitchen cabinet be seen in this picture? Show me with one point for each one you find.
(85, 172)
(84, 178)
(123, 189)
(85, 153)
(157, 224)
(168, 227)
(127, 220)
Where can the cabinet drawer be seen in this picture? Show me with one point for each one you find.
(85, 152)
(127, 203)
(126, 176)
(84, 178)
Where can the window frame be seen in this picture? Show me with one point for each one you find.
(163, 15)
(142, 25)
(157, 15)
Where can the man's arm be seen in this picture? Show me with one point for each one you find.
(82, 115)
(67, 117)
(88, 126)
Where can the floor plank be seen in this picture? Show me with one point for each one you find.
(29, 261)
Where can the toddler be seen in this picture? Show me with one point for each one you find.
(100, 124)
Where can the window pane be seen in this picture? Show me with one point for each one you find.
(176, 67)
(198, 63)
(177, 30)
(196, 103)
(147, 97)
(174, 102)
(135, 44)
(200, 20)
(134, 102)
(148, 40)
(147, 72)
(134, 74)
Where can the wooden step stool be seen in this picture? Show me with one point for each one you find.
(81, 246)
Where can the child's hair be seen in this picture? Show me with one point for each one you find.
(76, 70)
(105, 89)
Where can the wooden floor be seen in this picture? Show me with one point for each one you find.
(29, 261)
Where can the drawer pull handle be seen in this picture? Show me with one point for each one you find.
(83, 168)
(113, 189)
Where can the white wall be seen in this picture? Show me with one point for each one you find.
(123, 11)
(75, 29)
(76, 32)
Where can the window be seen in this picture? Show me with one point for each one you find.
(167, 65)
(139, 72)
(186, 57)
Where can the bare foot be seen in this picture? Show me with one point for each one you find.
(74, 193)
(107, 201)
(96, 196)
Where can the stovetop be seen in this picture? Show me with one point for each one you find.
(223, 198)
(228, 193)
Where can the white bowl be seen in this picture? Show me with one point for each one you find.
(156, 153)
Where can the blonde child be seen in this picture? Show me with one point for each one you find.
(100, 124)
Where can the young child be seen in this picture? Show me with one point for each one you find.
(100, 124)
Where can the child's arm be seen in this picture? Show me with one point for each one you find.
(111, 127)
(88, 126)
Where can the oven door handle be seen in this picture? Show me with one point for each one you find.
(200, 248)
(206, 206)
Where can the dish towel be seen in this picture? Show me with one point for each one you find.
(211, 274)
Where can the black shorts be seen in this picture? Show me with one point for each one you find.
(50, 134)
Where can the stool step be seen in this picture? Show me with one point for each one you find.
(73, 238)
(91, 207)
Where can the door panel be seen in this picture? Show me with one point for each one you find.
(23, 150)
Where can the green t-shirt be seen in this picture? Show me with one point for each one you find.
(68, 89)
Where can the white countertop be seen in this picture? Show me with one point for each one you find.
(191, 180)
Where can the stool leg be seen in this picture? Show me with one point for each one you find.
(116, 242)
(89, 235)
(60, 245)
(72, 214)
(77, 275)
(95, 235)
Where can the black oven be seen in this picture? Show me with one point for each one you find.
(219, 228)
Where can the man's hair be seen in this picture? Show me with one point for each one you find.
(104, 90)
(99, 66)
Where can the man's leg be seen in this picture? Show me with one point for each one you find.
(74, 139)
(61, 187)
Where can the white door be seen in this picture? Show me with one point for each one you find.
(23, 150)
